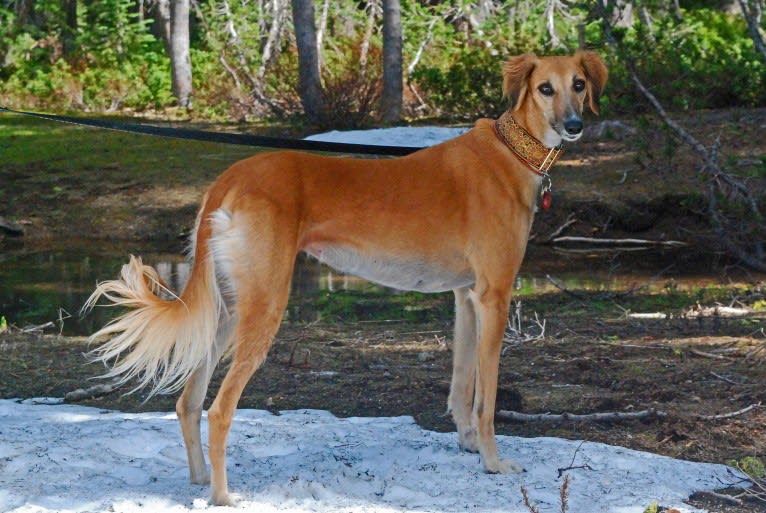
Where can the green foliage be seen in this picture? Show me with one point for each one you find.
(706, 61)
(115, 61)
(469, 87)
(752, 466)
(454, 49)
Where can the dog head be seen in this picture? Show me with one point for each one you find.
(548, 94)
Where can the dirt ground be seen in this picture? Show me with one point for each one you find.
(687, 368)
(593, 357)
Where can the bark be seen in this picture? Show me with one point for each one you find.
(24, 10)
(70, 25)
(391, 100)
(373, 8)
(321, 31)
(161, 25)
(309, 82)
(179, 52)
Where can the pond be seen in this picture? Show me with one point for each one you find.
(49, 283)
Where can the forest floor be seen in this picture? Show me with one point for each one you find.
(692, 362)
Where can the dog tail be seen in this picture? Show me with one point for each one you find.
(163, 338)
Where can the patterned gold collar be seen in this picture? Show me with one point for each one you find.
(538, 157)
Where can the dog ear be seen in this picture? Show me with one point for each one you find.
(595, 75)
(516, 73)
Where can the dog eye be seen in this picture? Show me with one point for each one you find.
(545, 89)
(579, 86)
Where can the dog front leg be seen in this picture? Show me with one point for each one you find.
(460, 402)
(493, 314)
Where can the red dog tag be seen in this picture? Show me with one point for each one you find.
(547, 199)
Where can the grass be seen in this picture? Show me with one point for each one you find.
(52, 151)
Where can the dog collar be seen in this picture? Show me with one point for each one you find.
(534, 154)
(538, 157)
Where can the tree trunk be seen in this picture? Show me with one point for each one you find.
(161, 25)
(309, 82)
(180, 61)
(25, 11)
(391, 100)
(70, 25)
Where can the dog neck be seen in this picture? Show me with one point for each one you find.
(534, 154)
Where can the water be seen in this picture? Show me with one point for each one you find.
(49, 284)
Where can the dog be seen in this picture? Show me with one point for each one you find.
(455, 216)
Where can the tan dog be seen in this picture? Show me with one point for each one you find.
(454, 216)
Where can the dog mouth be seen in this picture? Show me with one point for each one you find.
(569, 137)
(565, 134)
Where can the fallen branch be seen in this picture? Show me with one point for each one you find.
(705, 354)
(727, 379)
(616, 416)
(648, 315)
(36, 328)
(569, 222)
(721, 496)
(89, 393)
(514, 416)
(617, 242)
(730, 414)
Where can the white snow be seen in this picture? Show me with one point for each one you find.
(65, 458)
(399, 136)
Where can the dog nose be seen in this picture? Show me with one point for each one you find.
(573, 126)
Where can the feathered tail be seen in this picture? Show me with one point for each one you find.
(158, 341)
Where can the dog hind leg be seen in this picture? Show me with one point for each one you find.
(189, 405)
(259, 252)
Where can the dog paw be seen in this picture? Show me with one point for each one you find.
(224, 499)
(503, 467)
(468, 442)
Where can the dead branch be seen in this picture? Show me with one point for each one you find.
(705, 354)
(89, 393)
(571, 219)
(647, 315)
(617, 416)
(37, 328)
(517, 334)
(616, 242)
(727, 379)
(722, 496)
(730, 414)
(572, 466)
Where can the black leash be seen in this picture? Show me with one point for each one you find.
(226, 137)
